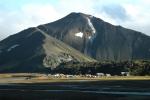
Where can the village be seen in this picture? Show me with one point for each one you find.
(87, 75)
(59, 75)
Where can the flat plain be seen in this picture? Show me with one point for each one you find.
(35, 86)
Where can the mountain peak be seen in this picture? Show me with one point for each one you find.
(79, 14)
(78, 27)
(99, 39)
(53, 42)
(76, 14)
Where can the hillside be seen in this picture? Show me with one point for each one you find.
(33, 50)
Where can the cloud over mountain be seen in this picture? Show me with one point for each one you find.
(16, 16)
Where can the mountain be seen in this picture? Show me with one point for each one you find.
(99, 39)
(77, 37)
(33, 50)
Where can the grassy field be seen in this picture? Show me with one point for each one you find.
(41, 87)
(42, 77)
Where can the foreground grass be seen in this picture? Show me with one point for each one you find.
(39, 78)
(29, 89)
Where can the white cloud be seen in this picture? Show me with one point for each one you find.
(68, 6)
(34, 14)
(137, 13)
(29, 15)
(139, 18)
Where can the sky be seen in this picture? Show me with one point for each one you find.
(17, 15)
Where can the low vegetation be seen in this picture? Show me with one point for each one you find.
(136, 68)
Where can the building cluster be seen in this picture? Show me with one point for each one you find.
(58, 75)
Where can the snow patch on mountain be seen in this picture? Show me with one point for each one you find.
(91, 25)
(12, 47)
(89, 37)
(80, 34)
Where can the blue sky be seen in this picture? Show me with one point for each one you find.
(16, 15)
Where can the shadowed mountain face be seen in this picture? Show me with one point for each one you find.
(33, 50)
(46, 46)
(99, 39)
